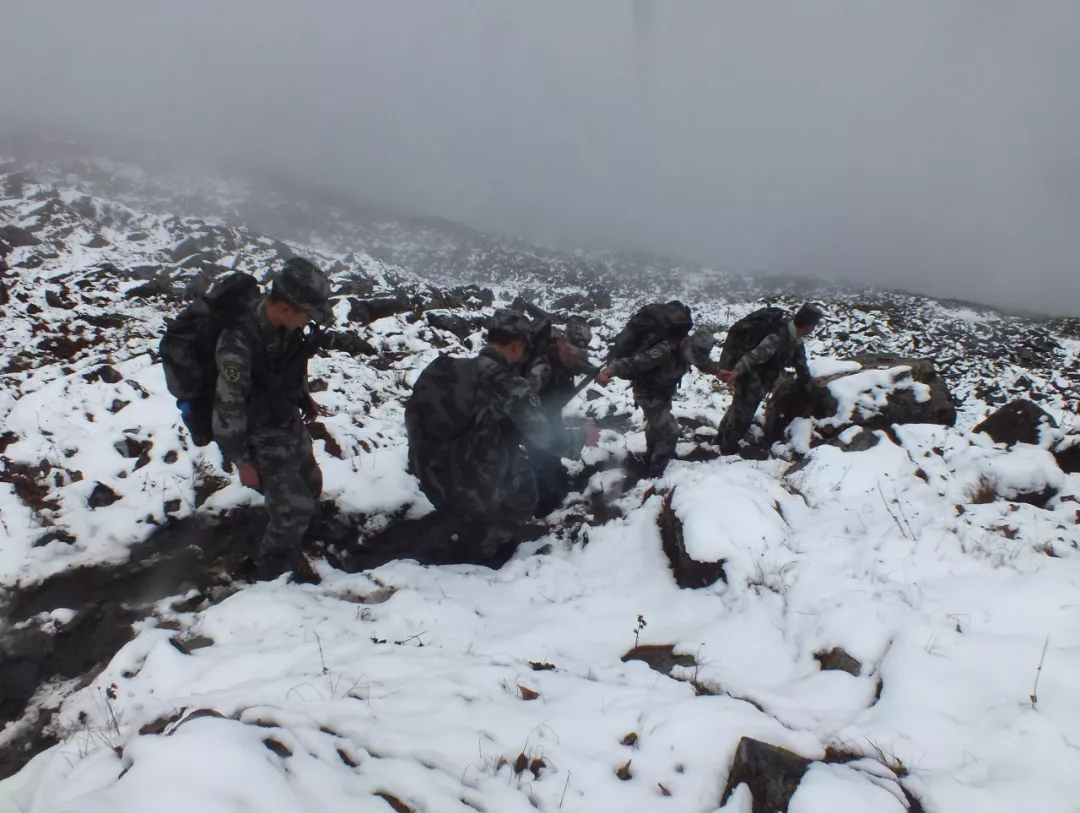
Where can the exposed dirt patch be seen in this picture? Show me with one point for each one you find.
(660, 657)
(837, 659)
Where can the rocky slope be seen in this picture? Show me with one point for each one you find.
(876, 602)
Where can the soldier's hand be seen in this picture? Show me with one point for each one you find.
(603, 378)
(249, 476)
(728, 376)
(592, 434)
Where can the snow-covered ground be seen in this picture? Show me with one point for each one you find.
(460, 688)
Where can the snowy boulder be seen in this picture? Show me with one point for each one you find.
(1024, 474)
(716, 524)
(1019, 421)
(873, 392)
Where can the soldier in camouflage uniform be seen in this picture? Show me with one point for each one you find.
(755, 373)
(552, 375)
(656, 373)
(484, 476)
(261, 394)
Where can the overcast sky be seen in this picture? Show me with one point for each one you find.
(924, 144)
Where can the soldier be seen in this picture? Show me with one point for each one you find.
(466, 421)
(551, 371)
(753, 372)
(261, 394)
(656, 372)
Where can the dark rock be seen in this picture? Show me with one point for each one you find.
(660, 657)
(102, 496)
(33, 310)
(1067, 455)
(171, 456)
(368, 310)
(55, 299)
(117, 405)
(18, 238)
(689, 573)
(133, 448)
(106, 373)
(6, 439)
(144, 272)
(105, 322)
(54, 535)
(1017, 422)
(318, 431)
(457, 325)
(595, 299)
(358, 312)
(770, 772)
(866, 439)
(1039, 499)
(151, 289)
(4, 296)
(137, 236)
(790, 401)
(836, 659)
(97, 241)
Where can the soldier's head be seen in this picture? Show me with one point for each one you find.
(299, 294)
(573, 344)
(508, 333)
(807, 318)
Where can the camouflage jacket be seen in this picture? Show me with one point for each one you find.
(552, 380)
(660, 368)
(775, 352)
(261, 384)
(518, 402)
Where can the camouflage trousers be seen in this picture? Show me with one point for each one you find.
(737, 421)
(552, 481)
(492, 506)
(662, 431)
(291, 485)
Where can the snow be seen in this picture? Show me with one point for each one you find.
(411, 681)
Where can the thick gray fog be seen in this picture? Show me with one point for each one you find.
(925, 144)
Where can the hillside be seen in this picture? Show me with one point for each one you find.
(882, 614)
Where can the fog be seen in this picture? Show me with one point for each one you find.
(925, 144)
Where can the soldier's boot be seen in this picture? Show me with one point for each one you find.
(269, 563)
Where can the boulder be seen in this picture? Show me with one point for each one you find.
(18, 238)
(151, 289)
(188, 246)
(102, 496)
(596, 299)
(458, 325)
(1019, 421)
(884, 390)
(770, 772)
(365, 311)
(688, 572)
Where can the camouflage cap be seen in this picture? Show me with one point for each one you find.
(808, 315)
(304, 285)
(578, 333)
(703, 339)
(511, 322)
